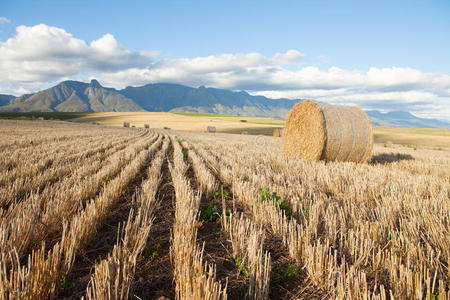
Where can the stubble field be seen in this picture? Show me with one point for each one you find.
(129, 213)
(412, 137)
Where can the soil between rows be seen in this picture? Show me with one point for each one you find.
(102, 243)
(154, 276)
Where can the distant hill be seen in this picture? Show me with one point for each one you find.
(404, 119)
(5, 99)
(180, 98)
(75, 96)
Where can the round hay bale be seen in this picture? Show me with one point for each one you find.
(318, 131)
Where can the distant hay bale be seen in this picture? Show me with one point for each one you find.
(126, 124)
(211, 129)
(244, 132)
(277, 132)
(317, 131)
(146, 126)
(41, 118)
(133, 126)
(166, 128)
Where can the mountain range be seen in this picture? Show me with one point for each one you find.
(404, 119)
(75, 96)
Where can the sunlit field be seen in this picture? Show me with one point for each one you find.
(131, 213)
(410, 137)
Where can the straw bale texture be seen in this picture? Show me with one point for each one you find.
(318, 131)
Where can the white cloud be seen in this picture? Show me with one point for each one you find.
(43, 53)
(40, 55)
(421, 103)
(287, 58)
(4, 20)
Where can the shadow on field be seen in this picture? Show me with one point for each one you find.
(386, 158)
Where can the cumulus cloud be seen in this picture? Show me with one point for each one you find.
(40, 55)
(425, 94)
(4, 20)
(43, 53)
(287, 58)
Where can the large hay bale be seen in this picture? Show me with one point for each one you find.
(211, 129)
(126, 124)
(318, 131)
(147, 126)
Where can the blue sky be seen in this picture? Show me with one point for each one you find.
(378, 40)
(351, 34)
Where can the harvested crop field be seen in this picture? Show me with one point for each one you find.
(427, 138)
(133, 213)
(179, 121)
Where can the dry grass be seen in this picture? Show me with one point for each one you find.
(113, 276)
(247, 240)
(419, 137)
(194, 279)
(357, 226)
(422, 138)
(373, 231)
(177, 121)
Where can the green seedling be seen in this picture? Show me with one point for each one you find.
(265, 195)
(280, 273)
(209, 213)
(285, 207)
(228, 212)
(150, 252)
(434, 297)
(218, 195)
(243, 269)
(185, 153)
